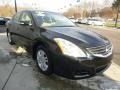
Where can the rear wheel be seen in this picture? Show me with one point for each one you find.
(9, 38)
(43, 60)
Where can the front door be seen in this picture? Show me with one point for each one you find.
(26, 30)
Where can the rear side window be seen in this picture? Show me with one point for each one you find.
(16, 17)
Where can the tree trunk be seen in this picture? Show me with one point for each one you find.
(117, 17)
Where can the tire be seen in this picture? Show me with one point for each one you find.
(10, 38)
(43, 60)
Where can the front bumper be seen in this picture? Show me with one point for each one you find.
(75, 69)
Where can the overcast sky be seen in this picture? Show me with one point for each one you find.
(54, 5)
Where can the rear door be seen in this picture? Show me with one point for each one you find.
(13, 27)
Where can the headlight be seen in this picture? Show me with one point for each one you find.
(69, 48)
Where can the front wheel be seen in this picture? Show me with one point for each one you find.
(43, 60)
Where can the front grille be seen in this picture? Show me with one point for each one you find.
(101, 51)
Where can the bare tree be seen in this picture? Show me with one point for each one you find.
(116, 5)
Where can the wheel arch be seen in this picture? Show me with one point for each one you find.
(35, 45)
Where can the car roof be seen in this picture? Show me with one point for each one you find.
(39, 11)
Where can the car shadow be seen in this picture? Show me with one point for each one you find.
(101, 82)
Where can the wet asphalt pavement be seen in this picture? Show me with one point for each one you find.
(18, 71)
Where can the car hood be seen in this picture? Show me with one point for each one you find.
(84, 36)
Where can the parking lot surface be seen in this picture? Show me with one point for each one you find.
(18, 70)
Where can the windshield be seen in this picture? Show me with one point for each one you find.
(47, 19)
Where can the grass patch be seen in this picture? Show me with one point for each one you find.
(112, 24)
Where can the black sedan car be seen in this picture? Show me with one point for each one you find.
(58, 45)
(3, 21)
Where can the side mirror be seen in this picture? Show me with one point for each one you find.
(26, 23)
